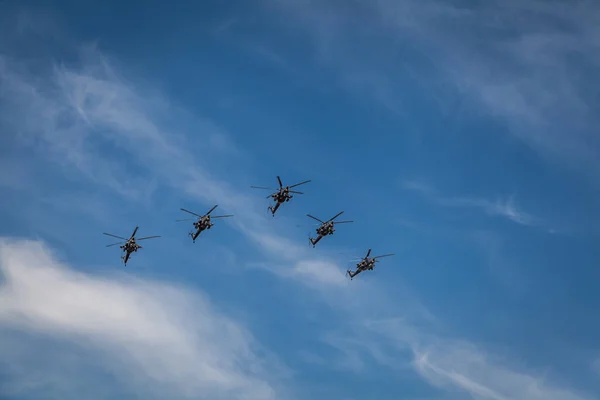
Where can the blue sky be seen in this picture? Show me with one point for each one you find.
(461, 136)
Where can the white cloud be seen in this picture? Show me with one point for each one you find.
(166, 340)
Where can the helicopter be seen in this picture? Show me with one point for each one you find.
(326, 228)
(281, 195)
(130, 245)
(366, 264)
(202, 223)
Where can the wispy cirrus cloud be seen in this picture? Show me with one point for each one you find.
(161, 340)
(527, 64)
(459, 364)
(456, 367)
(464, 366)
(503, 207)
(71, 115)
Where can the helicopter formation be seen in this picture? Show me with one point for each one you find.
(280, 196)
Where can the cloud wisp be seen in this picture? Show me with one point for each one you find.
(502, 207)
(529, 65)
(168, 341)
(506, 207)
(462, 365)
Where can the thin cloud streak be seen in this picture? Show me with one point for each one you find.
(468, 368)
(503, 208)
(462, 365)
(168, 340)
(506, 208)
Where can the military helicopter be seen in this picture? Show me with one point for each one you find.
(202, 223)
(130, 245)
(281, 195)
(326, 228)
(366, 264)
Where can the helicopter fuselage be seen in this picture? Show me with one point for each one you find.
(282, 196)
(324, 230)
(201, 225)
(365, 265)
(130, 247)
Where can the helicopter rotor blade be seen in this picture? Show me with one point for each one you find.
(115, 236)
(187, 219)
(211, 210)
(189, 212)
(368, 252)
(315, 218)
(147, 237)
(385, 255)
(221, 216)
(342, 222)
(337, 215)
(114, 244)
(295, 192)
(279, 180)
(298, 184)
(134, 232)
